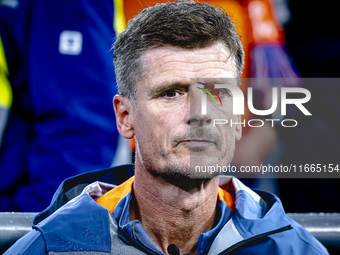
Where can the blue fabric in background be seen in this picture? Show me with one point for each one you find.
(62, 121)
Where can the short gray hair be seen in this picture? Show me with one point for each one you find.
(185, 24)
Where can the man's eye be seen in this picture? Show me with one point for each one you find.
(169, 93)
(224, 92)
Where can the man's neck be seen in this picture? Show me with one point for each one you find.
(172, 215)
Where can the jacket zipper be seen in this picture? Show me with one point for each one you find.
(254, 239)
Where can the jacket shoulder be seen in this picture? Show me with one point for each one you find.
(73, 186)
(307, 239)
(80, 225)
(31, 243)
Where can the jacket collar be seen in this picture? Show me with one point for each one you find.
(255, 212)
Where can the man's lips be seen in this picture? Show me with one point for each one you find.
(200, 137)
(197, 142)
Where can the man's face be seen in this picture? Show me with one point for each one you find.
(171, 133)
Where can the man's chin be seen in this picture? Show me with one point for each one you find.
(207, 167)
(196, 173)
(189, 172)
(191, 167)
(185, 178)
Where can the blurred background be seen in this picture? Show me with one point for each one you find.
(57, 82)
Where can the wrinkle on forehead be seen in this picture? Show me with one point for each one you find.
(169, 58)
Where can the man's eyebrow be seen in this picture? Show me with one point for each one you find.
(211, 82)
(167, 86)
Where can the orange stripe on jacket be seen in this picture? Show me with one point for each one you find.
(227, 198)
(110, 199)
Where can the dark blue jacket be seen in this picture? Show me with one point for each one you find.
(76, 224)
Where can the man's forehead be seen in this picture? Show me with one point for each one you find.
(164, 54)
(170, 62)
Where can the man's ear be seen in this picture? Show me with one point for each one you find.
(238, 129)
(123, 111)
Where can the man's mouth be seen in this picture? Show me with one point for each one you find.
(196, 143)
(199, 139)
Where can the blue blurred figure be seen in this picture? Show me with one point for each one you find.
(61, 121)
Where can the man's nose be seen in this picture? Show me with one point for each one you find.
(199, 114)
